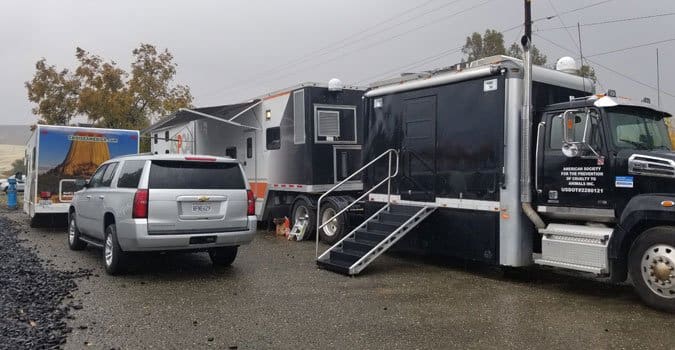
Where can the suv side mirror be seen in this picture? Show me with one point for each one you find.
(82, 183)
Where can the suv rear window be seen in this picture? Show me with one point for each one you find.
(198, 175)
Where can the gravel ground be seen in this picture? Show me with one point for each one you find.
(273, 297)
(32, 312)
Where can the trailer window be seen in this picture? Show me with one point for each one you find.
(130, 174)
(155, 138)
(249, 147)
(298, 117)
(195, 175)
(273, 138)
(166, 135)
(231, 152)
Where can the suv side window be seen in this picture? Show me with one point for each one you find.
(107, 178)
(130, 174)
(96, 178)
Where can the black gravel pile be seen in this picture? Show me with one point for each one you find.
(32, 312)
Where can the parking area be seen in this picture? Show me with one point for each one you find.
(274, 297)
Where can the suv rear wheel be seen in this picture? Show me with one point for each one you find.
(74, 241)
(113, 256)
(651, 263)
(223, 256)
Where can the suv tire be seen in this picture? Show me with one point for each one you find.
(223, 256)
(650, 263)
(74, 241)
(113, 256)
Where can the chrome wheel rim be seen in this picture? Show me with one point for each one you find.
(108, 250)
(332, 227)
(71, 231)
(300, 213)
(658, 270)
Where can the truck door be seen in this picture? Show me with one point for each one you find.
(572, 181)
(418, 150)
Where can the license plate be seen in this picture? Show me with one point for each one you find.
(201, 208)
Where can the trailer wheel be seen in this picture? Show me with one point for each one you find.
(332, 232)
(303, 208)
(651, 264)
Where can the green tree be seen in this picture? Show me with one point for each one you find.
(106, 94)
(587, 71)
(478, 46)
(538, 58)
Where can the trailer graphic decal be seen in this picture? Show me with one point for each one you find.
(67, 154)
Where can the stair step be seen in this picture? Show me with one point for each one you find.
(346, 255)
(358, 245)
(379, 226)
(394, 218)
(409, 210)
(370, 235)
(335, 266)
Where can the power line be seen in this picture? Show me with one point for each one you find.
(631, 47)
(345, 41)
(606, 68)
(572, 10)
(371, 45)
(610, 21)
(563, 23)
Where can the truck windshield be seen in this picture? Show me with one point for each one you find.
(638, 128)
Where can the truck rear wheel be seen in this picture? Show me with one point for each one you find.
(302, 208)
(651, 264)
(333, 231)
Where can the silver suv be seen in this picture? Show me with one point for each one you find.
(163, 203)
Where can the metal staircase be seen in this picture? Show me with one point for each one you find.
(376, 234)
(373, 237)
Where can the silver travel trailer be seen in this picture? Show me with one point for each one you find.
(585, 183)
(293, 144)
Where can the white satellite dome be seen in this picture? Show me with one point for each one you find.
(567, 65)
(335, 84)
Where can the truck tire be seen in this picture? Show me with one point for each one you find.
(74, 241)
(334, 231)
(114, 258)
(651, 264)
(223, 256)
(303, 207)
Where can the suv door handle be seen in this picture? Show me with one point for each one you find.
(87, 197)
(101, 197)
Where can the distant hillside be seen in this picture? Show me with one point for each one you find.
(14, 134)
(8, 154)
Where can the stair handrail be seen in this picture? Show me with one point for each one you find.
(389, 152)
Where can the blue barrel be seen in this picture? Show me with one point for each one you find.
(11, 194)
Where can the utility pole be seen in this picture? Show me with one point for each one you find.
(658, 80)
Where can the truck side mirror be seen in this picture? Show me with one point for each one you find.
(570, 119)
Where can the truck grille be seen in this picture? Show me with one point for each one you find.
(651, 166)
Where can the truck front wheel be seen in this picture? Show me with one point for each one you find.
(651, 264)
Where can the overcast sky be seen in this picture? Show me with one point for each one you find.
(230, 51)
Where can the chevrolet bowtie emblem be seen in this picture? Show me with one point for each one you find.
(203, 198)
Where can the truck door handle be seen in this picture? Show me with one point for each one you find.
(101, 197)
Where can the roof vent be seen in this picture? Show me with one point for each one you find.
(566, 65)
(335, 85)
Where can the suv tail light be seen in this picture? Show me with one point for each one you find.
(140, 209)
(251, 202)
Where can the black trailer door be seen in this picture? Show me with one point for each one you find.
(418, 150)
